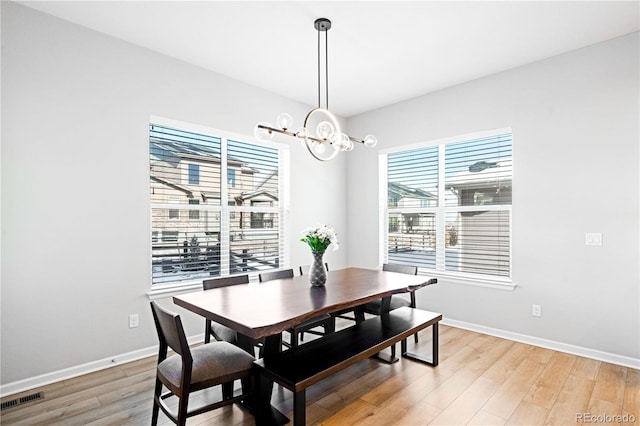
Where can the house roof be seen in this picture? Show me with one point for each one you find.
(170, 184)
(399, 190)
(172, 151)
(482, 174)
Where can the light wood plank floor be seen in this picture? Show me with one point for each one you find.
(481, 380)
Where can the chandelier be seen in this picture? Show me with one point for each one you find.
(321, 132)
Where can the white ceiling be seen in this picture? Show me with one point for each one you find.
(380, 52)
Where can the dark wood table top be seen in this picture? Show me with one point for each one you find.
(260, 310)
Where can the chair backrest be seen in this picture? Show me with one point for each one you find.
(224, 281)
(275, 275)
(403, 269)
(304, 269)
(170, 332)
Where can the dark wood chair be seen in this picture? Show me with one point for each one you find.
(304, 270)
(222, 332)
(275, 275)
(397, 301)
(190, 370)
(297, 332)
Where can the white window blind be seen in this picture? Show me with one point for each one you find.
(194, 233)
(447, 206)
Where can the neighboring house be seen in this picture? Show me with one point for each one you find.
(405, 197)
(412, 231)
(186, 174)
(483, 236)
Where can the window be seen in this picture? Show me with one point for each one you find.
(447, 206)
(194, 214)
(174, 213)
(169, 236)
(211, 229)
(194, 174)
(231, 178)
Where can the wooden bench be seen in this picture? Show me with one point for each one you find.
(297, 369)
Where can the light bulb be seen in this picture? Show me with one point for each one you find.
(320, 148)
(349, 146)
(370, 141)
(340, 142)
(324, 130)
(261, 133)
(284, 121)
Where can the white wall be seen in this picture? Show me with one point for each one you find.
(575, 121)
(75, 214)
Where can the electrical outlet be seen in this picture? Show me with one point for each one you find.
(536, 311)
(133, 320)
(593, 239)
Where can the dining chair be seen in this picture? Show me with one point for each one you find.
(190, 370)
(222, 332)
(397, 301)
(297, 332)
(275, 275)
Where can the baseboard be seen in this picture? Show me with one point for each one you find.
(549, 344)
(79, 370)
(68, 373)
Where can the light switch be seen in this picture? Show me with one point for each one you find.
(593, 239)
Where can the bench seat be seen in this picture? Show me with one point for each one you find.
(296, 369)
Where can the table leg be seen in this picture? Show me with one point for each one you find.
(385, 307)
(299, 408)
(265, 413)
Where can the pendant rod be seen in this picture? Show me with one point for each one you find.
(319, 90)
(290, 133)
(326, 69)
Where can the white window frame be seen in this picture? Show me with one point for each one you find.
(444, 277)
(224, 210)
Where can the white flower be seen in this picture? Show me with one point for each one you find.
(320, 238)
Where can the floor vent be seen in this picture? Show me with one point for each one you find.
(22, 400)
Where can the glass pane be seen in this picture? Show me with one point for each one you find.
(183, 165)
(412, 239)
(412, 178)
(252, 175)
(479, 172)
(194, 174)
(479, 242)
(254, 238)
(184, 249)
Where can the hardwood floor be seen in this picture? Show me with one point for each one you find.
(481, 380)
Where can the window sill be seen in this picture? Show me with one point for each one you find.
(452, 278)
(171, 290)
(163, 291)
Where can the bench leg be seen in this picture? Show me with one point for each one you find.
(299, 408)
(434, 349)
(389, 359)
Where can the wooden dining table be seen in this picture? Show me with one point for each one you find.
(267, 309)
